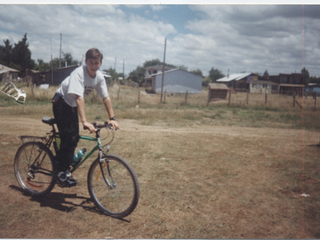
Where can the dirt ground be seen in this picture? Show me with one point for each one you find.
(247, 190)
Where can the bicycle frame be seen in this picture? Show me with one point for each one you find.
(85, 157)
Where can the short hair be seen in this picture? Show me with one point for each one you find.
(94, 53)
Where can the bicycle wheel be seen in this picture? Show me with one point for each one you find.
(34, 167)
(115, 191)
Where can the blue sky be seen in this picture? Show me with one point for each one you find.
(234, 37)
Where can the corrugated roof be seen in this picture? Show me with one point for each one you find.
(233, 77)
(4, 69)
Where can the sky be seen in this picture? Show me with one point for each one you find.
(234, 38)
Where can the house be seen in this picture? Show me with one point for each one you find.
(175, 81)
(263, 86)
(239, 81)
(8, 74)
(293, 83)
(150, 71)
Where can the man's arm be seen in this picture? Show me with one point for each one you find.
(108, 106)
(82, 114)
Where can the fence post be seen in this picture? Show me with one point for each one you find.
(294, 100)
(229, 98)
(315, 101)
(247, 96)
(165, 94)
(186, 96)
(118, 93)
(139, 96)
(266, 98)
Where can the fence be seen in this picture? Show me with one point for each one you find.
(139, 96)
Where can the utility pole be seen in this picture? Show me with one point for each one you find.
(51, 61)
(60, 50)
(163, 67)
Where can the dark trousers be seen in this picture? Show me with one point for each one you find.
(68, 125)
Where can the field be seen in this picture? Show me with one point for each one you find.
(217, 171)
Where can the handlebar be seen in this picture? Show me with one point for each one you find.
(98, 127)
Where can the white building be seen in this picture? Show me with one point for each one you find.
(175, 81)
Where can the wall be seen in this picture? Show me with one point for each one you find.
(178, 81)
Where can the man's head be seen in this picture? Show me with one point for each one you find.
(93, 61)
(94, 53)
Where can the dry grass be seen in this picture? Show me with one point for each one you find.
(204, 172)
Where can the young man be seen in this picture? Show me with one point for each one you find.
(68, 102)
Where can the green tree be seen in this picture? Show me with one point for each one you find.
(6, 53)
(137, 75)
(215, 74)
(306, 75)
(21, 55)
(198, 72)
(42, 66)
(68, 59)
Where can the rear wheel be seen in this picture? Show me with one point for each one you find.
(115, 191)
(34, 167)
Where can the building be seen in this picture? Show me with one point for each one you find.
(8, 74)
(239, 81)
(150, 71)
(293, 83)
(54, 77)
(175, 81)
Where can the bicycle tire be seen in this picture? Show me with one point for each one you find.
(122, 198)
(32, 181)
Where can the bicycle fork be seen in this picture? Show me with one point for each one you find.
(102, 161)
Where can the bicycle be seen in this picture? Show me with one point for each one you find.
(112, 183)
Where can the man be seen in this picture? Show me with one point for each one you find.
(68, 102)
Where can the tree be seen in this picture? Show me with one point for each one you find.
(197, 72)
(21, 55)
(137, 75)
(6, 53)
(306, 75)
(215, 74)
(68, 60)
(42, 66)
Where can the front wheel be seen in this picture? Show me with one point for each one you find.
(34, 167)
(113, 186)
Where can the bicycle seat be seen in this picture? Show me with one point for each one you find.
(48, 120)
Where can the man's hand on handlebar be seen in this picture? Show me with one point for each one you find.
(89, 126)
(114, 124)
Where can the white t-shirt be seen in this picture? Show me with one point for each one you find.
(79, 83)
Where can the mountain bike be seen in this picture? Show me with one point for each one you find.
(112, 183)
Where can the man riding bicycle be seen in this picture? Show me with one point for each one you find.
(68, 102)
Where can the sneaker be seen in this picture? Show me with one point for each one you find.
(66, 179)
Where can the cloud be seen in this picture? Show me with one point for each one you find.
(252, 38)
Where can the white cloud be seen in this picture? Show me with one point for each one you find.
(235, 37)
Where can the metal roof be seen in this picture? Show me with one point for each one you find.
(234, 77)
(4, 69)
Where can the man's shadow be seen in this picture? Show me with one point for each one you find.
(59, 201)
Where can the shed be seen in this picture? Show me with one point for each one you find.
(217, 91)
(8, 74)
(177, 81)
(54, 77)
